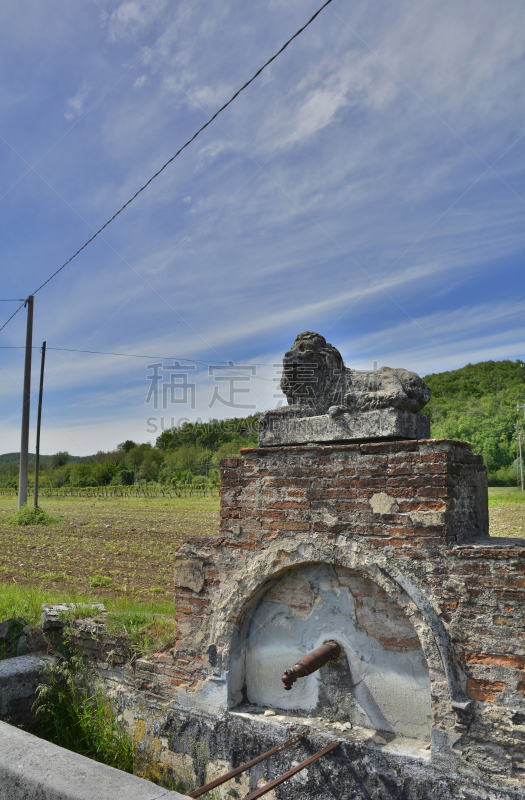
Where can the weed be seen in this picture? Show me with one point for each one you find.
(101, 580)
(31, 515)
(146, 629)
(72, 712)
(82, 609)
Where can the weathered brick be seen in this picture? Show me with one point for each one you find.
(481, 695)
(287, 526)
(493, 686)
(494, 659)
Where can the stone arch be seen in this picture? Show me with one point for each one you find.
(245, 590)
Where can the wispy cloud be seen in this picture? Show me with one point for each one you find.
(75, 104)
(346, 191)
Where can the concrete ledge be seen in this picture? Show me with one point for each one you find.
(33, 769)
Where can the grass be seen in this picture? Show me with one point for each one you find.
(503, 496)
(73, 712)
(149, 626)
(24, 602)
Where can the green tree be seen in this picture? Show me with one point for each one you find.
(126, 446)
(134, 457)
(149, 469)
(80, 475)
(59, 459)
(477, 404)
(103, 473)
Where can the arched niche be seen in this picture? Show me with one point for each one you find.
(380, 681)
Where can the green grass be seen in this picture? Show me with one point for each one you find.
(72, 712)
(504, 496)
(149, 626)
(24, 603)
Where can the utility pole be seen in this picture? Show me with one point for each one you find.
(520, 456)
(24, 443)
(39, 419)
(521, 461)
(519, 437)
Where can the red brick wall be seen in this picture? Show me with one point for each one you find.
(433, 528)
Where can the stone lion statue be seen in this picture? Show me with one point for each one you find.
(316, 381)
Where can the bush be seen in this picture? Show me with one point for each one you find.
(505, 476)
(32, 515)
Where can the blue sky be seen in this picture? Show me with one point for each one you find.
(368, 186)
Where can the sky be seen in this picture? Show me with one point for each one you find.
(369, 186)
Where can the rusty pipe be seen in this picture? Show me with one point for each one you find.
(282, 778)
(238, 770)
(311, 663)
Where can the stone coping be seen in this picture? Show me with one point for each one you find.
(370, 446)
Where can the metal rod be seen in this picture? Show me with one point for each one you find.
(268, 786)
(39, 419)
(237, 771)
(311, 663)
(24, 443)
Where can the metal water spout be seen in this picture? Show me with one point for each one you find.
(311, 663)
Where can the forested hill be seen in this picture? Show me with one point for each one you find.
(10, 459)
(477, 404)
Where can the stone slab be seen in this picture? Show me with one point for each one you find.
(33, 769)
(54, 615)
(278, 428)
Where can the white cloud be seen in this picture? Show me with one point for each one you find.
(134, 17)
(75, 104)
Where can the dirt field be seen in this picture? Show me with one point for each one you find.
(107, 547)
(508, 521)
(118, 548)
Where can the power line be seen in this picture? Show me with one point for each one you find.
(136, 355)
(12, 315)
(232, 98)
(15, 300)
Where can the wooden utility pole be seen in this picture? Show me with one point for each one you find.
(39, 419)
(24, 443)
(519, 437)
(520, 456)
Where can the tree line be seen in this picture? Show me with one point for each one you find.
(190, 454)
(477, 404)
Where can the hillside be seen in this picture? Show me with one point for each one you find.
(8, 459)
(477, 404)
